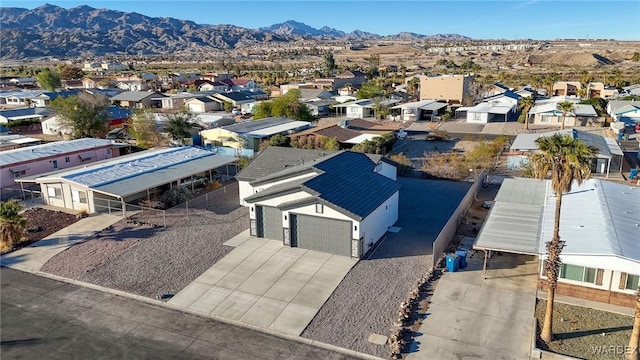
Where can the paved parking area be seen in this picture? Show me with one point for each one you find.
(265, 284)
(472, 317)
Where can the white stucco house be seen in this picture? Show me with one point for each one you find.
(320, 200)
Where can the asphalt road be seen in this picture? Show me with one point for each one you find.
(46, 319)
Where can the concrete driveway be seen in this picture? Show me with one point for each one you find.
(474, 318)
(265, 284)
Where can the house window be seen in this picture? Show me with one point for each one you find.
(55, 164)
(18, 174)
(545, 119)
(79, 196)
(54, 192)
(108, 151)
(578, 273)
(477, 116)
(319, 208)
(632, 282)
(67, 159)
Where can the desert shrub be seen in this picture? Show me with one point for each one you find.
(450, 166)
(406, 167)
(175, 196)
(151, 203)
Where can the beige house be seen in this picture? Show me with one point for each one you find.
(448, 88)
(573, 88)
(549, 114)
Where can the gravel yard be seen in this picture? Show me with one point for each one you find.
(367, 300)
(581, 331)
(151, 261)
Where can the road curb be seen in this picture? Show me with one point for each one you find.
(151, 301)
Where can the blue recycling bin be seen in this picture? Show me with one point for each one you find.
(452, 262)
(633, 173)
(620, 134)
(462, 256)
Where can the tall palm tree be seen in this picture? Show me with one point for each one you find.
(565, 107)
(11, 224)
(567, 160)
(633, 352)
(525, 105)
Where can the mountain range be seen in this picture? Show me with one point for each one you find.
(51, 30)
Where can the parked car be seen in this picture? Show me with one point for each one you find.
(236, 112)
(197, 182)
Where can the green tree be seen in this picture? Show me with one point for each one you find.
(85, 115)
(565, 107)
(370, 90)
(377, 145)
(179, 125)
(374, 64)
(565, 160)
(635, 57)
(413, 86)
(599, 104)
(12, 224)
(144, 129)
(329, 63)
(48, 80)
(276, 140)
(228, 106)
(525, 105)
(287, 105)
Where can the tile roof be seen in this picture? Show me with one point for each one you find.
(134, 96)
(344, 182)
(274, 159)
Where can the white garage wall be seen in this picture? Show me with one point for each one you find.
(388, 170)
(245, 189)
(374, 226)
(327, 212)
(277, 201)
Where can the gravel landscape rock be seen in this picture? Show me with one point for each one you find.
(584, 332)
(150, 261)
(44, 222)
(367, 301)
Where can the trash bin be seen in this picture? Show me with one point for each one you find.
(462, 256)
(620, 134)
(633, 173)
(452, 262)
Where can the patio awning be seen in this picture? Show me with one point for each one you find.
(19, 168)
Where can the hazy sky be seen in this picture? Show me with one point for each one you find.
(514, 19)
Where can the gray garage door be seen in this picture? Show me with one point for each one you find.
(321, 234)
(269, 222)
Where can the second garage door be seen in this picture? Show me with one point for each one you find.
(270, 222)
(321, 234)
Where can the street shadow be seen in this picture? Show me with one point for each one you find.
(8, 259)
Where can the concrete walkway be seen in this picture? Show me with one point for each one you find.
(265, 284)
(474, 318)
(33, 257)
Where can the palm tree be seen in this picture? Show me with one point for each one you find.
(565, 107)
(567, 159)
(11, 224)
(414, 85)
(633, 352)
(525, 105)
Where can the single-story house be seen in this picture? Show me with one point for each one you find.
(609, 156)
(235, 98)
(548, 114)
(110, 185)
(628, 114)
(117, 118)
(249, 134)
(613, 106)
(314, 94)
(210, 121)
(631, 90)
(345, 136)
(202, 105)
(601, 257)
(420, 110)
(174, 101)
(320, 107)
(137, 99)
(236, 84)
(44, 98)
(487, 112)
(39, 159)
(18, 98)
(217, 86)
(36, 113)
(496, 89)
(363, 108)
(10, 142)
(320, 201)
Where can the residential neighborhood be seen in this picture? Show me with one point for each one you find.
(322, 196)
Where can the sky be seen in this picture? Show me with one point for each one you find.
(506, 19)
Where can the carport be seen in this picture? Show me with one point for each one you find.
(504, 232)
